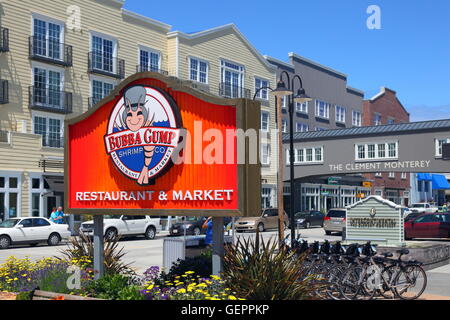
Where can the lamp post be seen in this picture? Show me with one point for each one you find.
(301, 97)
(280, 165)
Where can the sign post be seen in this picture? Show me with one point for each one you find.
(156, 146)
(99, 254)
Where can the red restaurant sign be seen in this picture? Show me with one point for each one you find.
(141, 151)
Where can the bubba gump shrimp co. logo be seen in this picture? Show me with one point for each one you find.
(143, 131)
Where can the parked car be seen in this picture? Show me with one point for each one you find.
(422, 208)
(428, 225)
(32, 230)
(412, 216)
(335, 221)
(307, 219)
(193, 226)
(267, 220)
(125, 225)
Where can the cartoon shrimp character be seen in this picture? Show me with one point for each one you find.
(140, 112)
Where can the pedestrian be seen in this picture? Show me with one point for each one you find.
(58, 216)
(53, 215)
(208, 225)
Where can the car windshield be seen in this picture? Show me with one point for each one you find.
(108, 216)
(9, 223)
(336, 214)
(419, 205)
(190, 219)
(301, 214)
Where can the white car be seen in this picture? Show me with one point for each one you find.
(422, 208)
(31, 230)
(125, 226)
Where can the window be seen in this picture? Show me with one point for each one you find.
(306, 155)
(198, 70)
(9, 197)
(232, 78)
(340, 114)
(301, 107)
(35, 204)
(321, 129)
(100, 90)
(392, 175)
(356, 118)
(377, 119)
(391, 121)
(48, 84)
(26, 223)
(376, 151)
(265, 154)
(266, 196)
(378, 174)
(40, 223)
(283, 126)
(103, 54)
(265, 121)
(51, 130)
(378, 192)
(322, 109)
(149, 60)
(301, 127)
(47, 38)
(439, 143)
(404, 175)
(263, 93)
(284, 102)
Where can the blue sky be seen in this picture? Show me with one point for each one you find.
(410, 54)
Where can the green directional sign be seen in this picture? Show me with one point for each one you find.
(334, 180)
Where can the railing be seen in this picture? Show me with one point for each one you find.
(103, 64)
(4, 91)
(50, 100)
(4, 136)
(4, 39)
(53, 141)
(227, 90)
(47, 50)
(51, 164)
(142, 68)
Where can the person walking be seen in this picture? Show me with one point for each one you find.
(53, 215)
(57, 216)
(208, 225)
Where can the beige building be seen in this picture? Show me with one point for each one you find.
(58, 58)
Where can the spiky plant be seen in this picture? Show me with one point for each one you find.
(259, 270)
(82, 247)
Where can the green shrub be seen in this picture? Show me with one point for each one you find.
(256, 270)
(114, 287)
(201, 265)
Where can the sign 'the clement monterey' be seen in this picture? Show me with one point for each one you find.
(122, 156)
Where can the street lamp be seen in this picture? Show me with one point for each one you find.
(280, 170)
(301, 97)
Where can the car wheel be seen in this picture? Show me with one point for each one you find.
(261, 227)
(53, 239)
(197, 231)
(328, 233)
(110, 234)
(150, 233)
(5, 242)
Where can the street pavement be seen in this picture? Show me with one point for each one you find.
(141, 254)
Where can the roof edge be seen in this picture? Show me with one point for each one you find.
(379, 199)
(301, 58)
(145, 19)
(278, 61)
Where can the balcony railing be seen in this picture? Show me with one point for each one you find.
(227, 90)
(4, 92)
(51, 51)
(53, 141)
(142, 68)
(4, 39)
(104, 64)
(50, 100)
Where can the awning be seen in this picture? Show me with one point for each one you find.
(440, 182)
(56, 183)
(424, 177)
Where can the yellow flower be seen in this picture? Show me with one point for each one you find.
(232, 298)
(150, 287)
(215, 278)
(181, 291)
(189, 272)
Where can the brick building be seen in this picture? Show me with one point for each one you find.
(384, 109)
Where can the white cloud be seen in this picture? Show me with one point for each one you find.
(424, 113)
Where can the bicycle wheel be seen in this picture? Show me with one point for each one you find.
(335, 274)
(350, 284)
(410, 282)
(387, 288)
